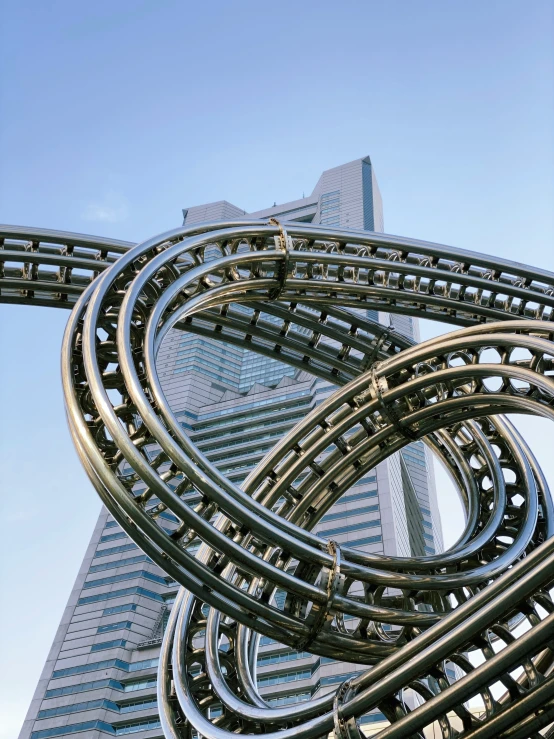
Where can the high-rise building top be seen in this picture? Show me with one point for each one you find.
(346, 196)
(100, 676)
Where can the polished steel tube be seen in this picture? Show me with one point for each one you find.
(490, 594)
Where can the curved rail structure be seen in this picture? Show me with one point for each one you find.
(490, 594)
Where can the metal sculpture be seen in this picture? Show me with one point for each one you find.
(402, 617)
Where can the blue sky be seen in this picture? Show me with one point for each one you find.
(115, 116)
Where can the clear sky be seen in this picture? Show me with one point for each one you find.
(115, 116)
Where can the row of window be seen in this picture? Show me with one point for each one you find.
(99, 703)
(250, 449)
(254, 404)
(255, 416)
(358, 496)
(364, 480)
(355, 512)
(284, 677)
(228, 350)
(119, 609)
(73, 728)
(252, 417)
(235, 467)
(362, 542)
(191, 362)
(148, 682)
(413, 460)
(330, 215)
(264, 377)
(115, 550)
(228, 359)
(169, 516)
(278, 657)
(120, 563)
(265, 640)
(129, 687)
(191, 358)
(287, 700)
(83, 688)
(113, 537)
(329, 207)
(203, 371)
(151, 723)
(114, 627)
(210, 436)
(266, 366)
(138, 705)
(113, 644)
(331, 195)
(332, 679)
(351, 527)
(371, 718)
(119, 664)
(119, 594)
(225, 444)
(76, 707)
(124, 576)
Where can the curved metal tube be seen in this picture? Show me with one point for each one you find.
(406, 616)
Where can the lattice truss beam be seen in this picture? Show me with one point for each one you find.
(405, 618)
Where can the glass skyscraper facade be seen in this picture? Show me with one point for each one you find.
(100, 676)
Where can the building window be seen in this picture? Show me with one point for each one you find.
(138, 705)
(83, 687)
(75, 707)
(111, 537)
(356, 512)
(278, 657)
(352, 527)
(114, 627)
(119, 563)
(119, 609)
(284, 677)
(115, 550)
(124, 576)
(118, 594)
(152, 723)
(149, 682)
(72, 729)
(108, 645)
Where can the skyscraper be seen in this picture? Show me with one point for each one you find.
(100, 676)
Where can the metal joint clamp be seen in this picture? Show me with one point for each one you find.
(284, 243)
(344, 729)
(333, 581)
(379, 386)
(376, 348)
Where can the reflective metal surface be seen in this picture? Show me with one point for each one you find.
(405, 618)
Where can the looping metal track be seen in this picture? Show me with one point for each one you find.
(405, 618)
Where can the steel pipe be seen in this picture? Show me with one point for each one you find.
(489, 594)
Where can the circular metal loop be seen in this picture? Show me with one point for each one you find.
(301, 293)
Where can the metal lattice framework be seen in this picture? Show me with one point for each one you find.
(490, 594)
